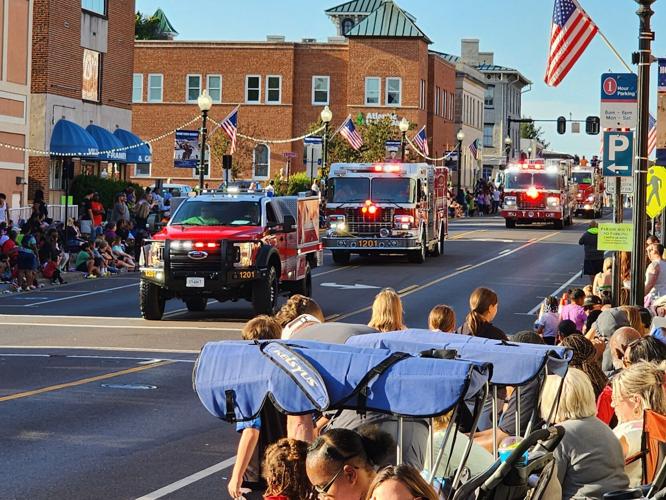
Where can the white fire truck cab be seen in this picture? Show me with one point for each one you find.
(386, 208)
(539, 191)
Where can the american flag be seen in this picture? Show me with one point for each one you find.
(230, 126)
(348, 131)
(571, 32)
(652, 134)
(421, 140)
(474, 148)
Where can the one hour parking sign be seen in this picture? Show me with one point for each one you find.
(618, 153)
(619, 100)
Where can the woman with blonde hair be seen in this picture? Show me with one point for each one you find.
(637, 388)
(387, 315)
(400, 482)
(483, 306)
(589, 458)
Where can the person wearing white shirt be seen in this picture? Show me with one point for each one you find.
(3, 208)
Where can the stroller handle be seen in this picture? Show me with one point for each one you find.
(553, 434)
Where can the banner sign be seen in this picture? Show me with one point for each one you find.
(186, 152)
(619, 100)
(90, 77)
(615, 237)
(661, 75)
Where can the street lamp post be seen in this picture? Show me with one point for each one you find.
(404, 127)
(205, 102)
(645, 37)
(529, 152)
(507, 148)
(326, 116)
(460, 136)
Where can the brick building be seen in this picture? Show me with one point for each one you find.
(81, 71)
(377, 65)
(14, 96)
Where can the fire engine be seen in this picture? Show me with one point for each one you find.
(589, 199)
(539, 191)
(231, 246)
(377, 208)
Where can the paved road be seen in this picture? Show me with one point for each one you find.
(119, 419)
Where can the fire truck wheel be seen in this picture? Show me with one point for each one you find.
(196, 304)
(418, 256)
(150, 302)
(341, 257)
(510, 223)
(265, 293)
(438, 249)
(558, 224)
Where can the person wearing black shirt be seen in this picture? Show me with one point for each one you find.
(483, 305)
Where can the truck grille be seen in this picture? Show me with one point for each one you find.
(360, 224)
(181, 263)
(527, 203)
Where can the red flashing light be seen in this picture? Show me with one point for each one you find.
(369, 208)
(199, 244)
(210, 244)
(372, 210)
(532, 192)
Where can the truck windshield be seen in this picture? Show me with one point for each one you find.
(396, 190)
(582, 177)
(217, 213)
(348, 189)
(540, 180)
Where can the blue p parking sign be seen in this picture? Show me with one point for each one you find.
(618, 153)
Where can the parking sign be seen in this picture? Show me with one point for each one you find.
(618, 153)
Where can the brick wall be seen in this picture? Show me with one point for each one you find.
(442, 129)
(118, 62)
(39, 175)
(40, 45)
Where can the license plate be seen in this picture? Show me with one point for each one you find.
(194, 282)
(367, 243)
(243, 275)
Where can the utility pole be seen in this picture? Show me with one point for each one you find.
(643, 58)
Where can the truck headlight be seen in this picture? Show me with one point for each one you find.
(553, 201)
(337, 223)
(590, 198)
(244, 253)
(509, 201)
(403, 221)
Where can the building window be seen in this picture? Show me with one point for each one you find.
(252, 89)
(90, 77)
(214, 87)
(273, 89)
(444, 108)
(193, 88)
(137, 87)
(261, 162)
(488, 140)
(437, 97)
(155, 88)
(96, 6)
(393, 91)
(142, 170)
(321, 86)
(451, 97)
(372, 85)
(489, 96)
(422, 94)
(347, 25)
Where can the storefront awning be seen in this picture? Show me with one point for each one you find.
(73, 140)
(140, 153)
(106, 142)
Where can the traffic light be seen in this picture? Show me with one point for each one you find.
(561, 125)
(592, 125)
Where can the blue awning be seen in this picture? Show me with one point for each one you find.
(71, 139)
(138, 154)
(106, 142)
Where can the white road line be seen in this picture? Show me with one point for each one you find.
(96, 292)
(141, 361)
(118, 327)
(198, 476)
(463, 267)
(334, 271)
(506, 250)
(573, 278)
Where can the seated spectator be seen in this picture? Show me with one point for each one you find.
(636, 389)
(120, 254)
(574, 311)
(257, 434)
(51, 272)
(603, 281)
(85, 262)
(592, 317)
(284, 471)
(110, 232)
(483, 306)
(442, 318)
(585, 359)
(8, 246)
(298, 306)
(565, 328)
(28, 263)
(387, 315)
(589, 458)
(73, 236)
(548, 321)
(341, 463)
(607, 324)
(401, 482)
(635, 321)
(644, 349)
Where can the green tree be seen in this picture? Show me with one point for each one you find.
(147, 28)
(530, 131)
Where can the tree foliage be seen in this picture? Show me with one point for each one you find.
(530, 131)
(147, 28)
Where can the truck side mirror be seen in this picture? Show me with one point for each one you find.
(288, 223)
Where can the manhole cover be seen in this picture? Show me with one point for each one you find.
(130, 387)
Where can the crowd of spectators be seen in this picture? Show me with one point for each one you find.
(616, 373)
(485, 199)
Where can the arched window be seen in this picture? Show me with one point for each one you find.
(347, 25)
(261, 162)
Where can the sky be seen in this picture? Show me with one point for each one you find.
(516, 31)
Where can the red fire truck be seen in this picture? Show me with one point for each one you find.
(229, 247)
(386, 208)
(539, 191)
(590, 196)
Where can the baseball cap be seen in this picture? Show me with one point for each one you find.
(591, 301)
(610, 320)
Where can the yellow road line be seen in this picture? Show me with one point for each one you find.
(407, 289)
(82, 381)
(452, 275)
(460, 235)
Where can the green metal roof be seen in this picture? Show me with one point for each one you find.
(388, 20)
(165, 26)
(356, 7)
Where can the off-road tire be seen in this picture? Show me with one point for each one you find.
(265, 293)
(151, 303)
(341, 257)
(196, 304)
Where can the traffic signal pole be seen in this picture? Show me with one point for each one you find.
(643, 58)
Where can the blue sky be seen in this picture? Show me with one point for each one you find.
(515, 30)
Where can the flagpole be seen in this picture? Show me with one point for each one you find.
(614, 50)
